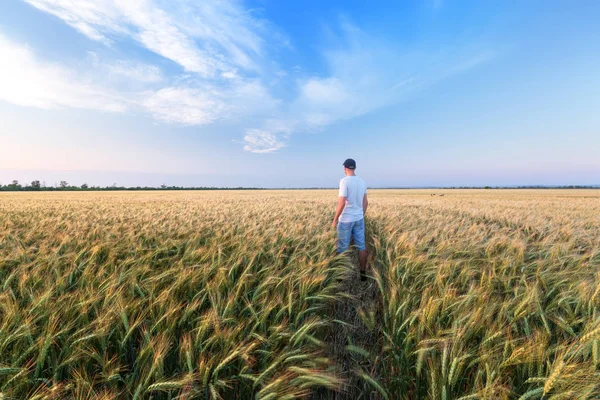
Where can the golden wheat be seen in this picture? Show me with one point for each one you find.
(498, 286)
(483, 295)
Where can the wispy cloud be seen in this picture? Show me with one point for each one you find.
(27, 81)
(122, 73)
(261, 141)
(227, 71)
(136, 71)
(207, 37)
(218, 45)
(122, 85)
(365, 74)
(203, 103)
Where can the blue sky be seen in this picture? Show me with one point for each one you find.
(278, 93)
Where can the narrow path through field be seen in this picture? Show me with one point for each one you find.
(347, 337)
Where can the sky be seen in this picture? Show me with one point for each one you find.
(271, 93)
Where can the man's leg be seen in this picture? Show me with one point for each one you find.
(362, 259)
(344, 232)
(358, 233)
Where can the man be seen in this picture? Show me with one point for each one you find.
(349, 214)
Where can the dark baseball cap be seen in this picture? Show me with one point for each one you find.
(350, 164)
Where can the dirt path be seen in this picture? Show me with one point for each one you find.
(352, 331)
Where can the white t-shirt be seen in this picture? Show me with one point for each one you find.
(353, 189)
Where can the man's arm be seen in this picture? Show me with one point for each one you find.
(365, 203)
(338, 210)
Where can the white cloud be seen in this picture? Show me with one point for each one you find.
(120, 72)
(123, 85)
(202, 103)
(227, 76)
(85, 16)
(27, 81)
(185, 106)
(324, 91)
(203, 37)
(260, 141)
(365, 74)
(136, 71)
(216, 42)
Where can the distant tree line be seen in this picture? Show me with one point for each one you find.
(531, 187)
(491, 187)
(37, 186)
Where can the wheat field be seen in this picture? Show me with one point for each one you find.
(476, 294)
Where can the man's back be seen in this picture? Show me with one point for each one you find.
(349, 218)
(354, 189)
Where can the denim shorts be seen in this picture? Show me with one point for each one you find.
(354, 230)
